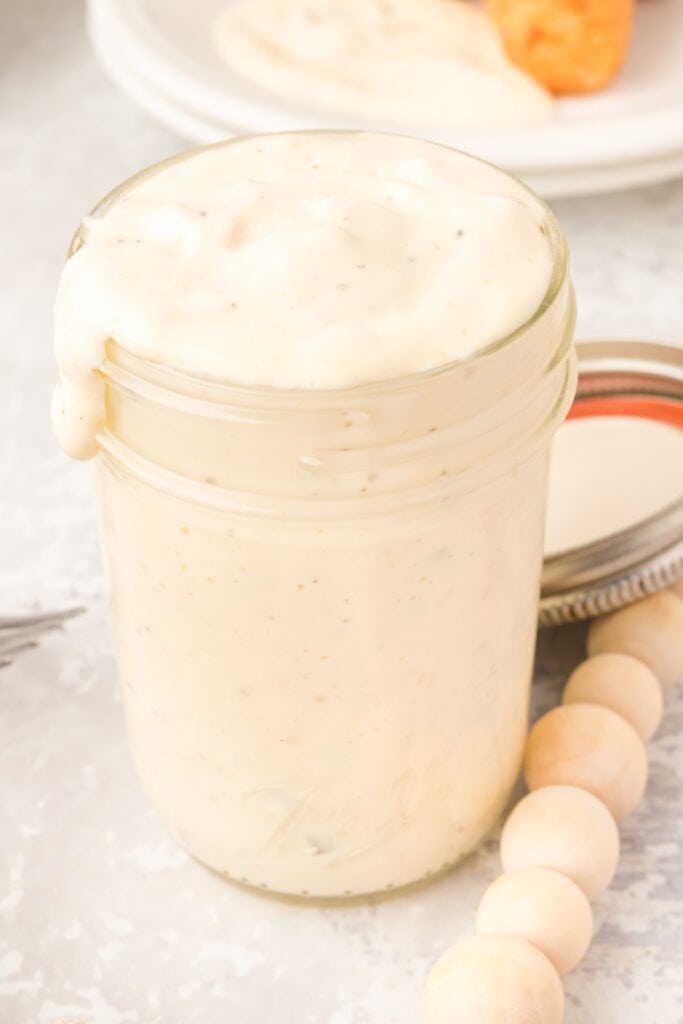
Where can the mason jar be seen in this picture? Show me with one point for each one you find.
(325, 602)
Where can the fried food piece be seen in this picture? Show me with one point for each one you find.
(571, 46)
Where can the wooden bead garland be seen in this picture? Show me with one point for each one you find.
(586, 765)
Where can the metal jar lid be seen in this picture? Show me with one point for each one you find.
(621, 378)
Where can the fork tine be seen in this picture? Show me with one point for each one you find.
(10, 648)
(27, 630)
(44, 619)
(20, 633)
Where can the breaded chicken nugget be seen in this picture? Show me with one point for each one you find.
(571, 46)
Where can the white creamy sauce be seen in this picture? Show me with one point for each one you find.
(306, 261)
(316, 704)
(422, 62)
(607, 474)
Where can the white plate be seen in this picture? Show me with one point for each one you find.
(161, 51)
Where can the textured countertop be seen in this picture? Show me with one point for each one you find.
(102, 918)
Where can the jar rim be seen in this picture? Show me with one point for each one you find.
(177, 378)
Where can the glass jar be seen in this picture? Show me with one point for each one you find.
(325, 603)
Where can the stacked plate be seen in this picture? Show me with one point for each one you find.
(162, 53)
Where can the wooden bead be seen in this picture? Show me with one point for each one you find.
(651, 630)
(566, 829)
(493, 979)
(590, 747)
(623, 684)
(543, 907)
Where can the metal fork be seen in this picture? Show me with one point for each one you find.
(18, 633)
